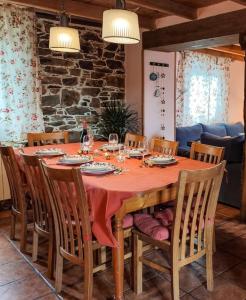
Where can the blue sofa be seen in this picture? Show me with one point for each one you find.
(229, 136)
(186, 135)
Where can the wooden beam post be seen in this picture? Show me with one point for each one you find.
(167, 7)
(219, 30)
(242, 41)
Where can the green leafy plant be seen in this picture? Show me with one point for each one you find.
(117, 117)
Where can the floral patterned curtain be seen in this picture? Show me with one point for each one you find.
(19, 82)
(202, 88)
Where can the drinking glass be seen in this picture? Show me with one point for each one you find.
(144, 149)
(121, 157)
(87, 143)
(113, 140)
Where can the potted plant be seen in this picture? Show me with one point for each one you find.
(117, 117)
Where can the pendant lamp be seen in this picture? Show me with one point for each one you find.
(120, 25)
(64, 38)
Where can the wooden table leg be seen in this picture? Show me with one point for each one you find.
(118, 261)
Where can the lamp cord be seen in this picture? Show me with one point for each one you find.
(120, 4)
(62, 6)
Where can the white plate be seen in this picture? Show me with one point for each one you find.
(111, 147)
(49, 152)
(162, 160)
(97, 168)
(74, 160)
(136, 153)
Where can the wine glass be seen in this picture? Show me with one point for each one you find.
(144, 148)
(121, 157)
(113, 140)
(87, 143)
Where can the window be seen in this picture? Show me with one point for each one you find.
(202, 89)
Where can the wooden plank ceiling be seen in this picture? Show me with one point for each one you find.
(148, 10)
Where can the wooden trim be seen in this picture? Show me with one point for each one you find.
(167, 7)
(218, 53)
(213, 31)
(78, 9)
(242, 2)
(243, 199)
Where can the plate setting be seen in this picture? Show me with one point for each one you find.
(136, 153)
(49, 152)
(108, 147)
(98, 168)
(75, 159)
(161, 160)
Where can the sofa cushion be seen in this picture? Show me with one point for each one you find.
(233, 145)
(188, 134)
(216, 129)
(234, 129)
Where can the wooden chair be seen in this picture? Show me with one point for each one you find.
(192, 228)
(47, 138)
(210, 154)
(71, 222)
(206, 153)
(133, 140)
(43, 222)
(19, 195)
(164, 146)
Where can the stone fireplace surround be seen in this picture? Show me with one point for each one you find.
(77, 85)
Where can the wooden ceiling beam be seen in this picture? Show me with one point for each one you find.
(167, 7)
(77, 9)
(217, 30)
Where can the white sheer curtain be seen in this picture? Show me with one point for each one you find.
(19, 82)
(202, 89)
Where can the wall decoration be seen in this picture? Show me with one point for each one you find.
(159, 70)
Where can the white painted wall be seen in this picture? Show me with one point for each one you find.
(134, 79)
(236, 93)
(152, 105)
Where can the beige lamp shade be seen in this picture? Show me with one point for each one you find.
(120, 26)
(64, 39)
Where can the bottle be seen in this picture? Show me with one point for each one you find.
(84, 131)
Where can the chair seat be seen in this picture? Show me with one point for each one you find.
(159, 226)
(151, 226)
(128, 221)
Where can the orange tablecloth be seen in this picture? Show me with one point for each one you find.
(106, 193)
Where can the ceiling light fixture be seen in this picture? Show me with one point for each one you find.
(64, 38)
(120, 25)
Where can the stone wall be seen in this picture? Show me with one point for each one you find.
(78, 85)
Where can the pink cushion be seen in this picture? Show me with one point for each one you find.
(151, 226)
(165, 216)
(127, 221)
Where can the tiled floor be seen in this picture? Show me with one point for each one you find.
(22, 280)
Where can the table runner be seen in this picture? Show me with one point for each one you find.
(107, 193)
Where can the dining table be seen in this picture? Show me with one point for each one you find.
(117, 194)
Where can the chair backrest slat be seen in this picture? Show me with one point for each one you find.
(197, 198)
(134, 140)
(15, 177)
(47, 138)
(164, 146)
(71, 211)
(207, 153)
(40, 199)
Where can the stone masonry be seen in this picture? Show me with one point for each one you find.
(77, 85)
